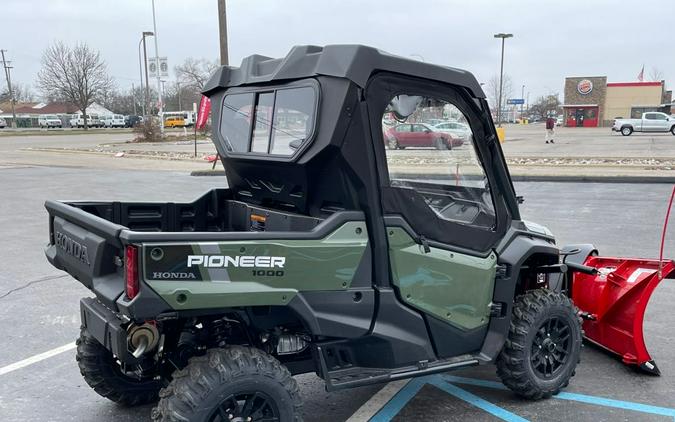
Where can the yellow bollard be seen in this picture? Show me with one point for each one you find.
(501, 134)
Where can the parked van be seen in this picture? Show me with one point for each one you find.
(113, 120)
(49, 120)
(77, 120)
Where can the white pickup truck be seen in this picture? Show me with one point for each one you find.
(650, 122)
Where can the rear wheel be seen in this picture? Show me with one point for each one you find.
(544, 345)
(672, 130)
(103, 373)
(231, 384)
(392, 143)
(626, 130)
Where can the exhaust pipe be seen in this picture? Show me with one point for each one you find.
(142, 339)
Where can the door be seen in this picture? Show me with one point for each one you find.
(579, 117)
(441, 223)
(655, 122)
(403, 135)
(421, 137)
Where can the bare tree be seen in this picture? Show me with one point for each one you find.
(545, 105)
(22, 93)
(655, 74)
(195, 72)
(493, 90)
(77, 75)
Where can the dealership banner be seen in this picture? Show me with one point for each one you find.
(204, 110)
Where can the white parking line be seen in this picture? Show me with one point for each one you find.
(37, 358)
(375, 403)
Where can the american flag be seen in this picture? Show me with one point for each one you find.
(641, 75)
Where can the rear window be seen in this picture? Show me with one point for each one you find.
(273, 122)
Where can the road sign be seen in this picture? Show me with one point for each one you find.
(515, 101)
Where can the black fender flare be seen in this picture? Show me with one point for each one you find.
(576, 254)
(516, 248)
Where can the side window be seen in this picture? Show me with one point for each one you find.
(236, 121)
(658, 116)
(262, 122)
(441, 164)
(293, 119)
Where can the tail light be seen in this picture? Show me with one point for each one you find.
(131, 270)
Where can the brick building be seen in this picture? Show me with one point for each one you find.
(591, 101)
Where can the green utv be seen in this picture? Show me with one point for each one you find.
(356, 239)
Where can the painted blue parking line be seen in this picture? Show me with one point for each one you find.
(476, 401)
(619, 404)
(397, 402)
(582, 398)
(407, 393)
(447, 384)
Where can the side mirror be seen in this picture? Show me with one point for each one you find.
(296, 143)
(427, 130)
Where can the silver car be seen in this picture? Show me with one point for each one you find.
(3, 123)
(456, 129)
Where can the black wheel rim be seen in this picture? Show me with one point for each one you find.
(246, 407)
(551, 347)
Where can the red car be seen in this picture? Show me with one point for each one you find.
(419, 135)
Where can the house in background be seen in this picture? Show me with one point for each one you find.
(27, 114)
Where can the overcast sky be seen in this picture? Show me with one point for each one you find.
(551, 39)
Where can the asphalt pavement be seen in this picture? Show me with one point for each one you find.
(39, 305)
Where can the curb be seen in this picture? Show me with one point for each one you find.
(208, 173)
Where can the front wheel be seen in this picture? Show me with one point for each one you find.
(672, 130)
(544, 345)
(103, 373)
(231, 384)
(626, 130)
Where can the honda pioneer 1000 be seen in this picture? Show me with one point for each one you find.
(356, 239)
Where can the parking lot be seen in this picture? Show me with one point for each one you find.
(40, 310)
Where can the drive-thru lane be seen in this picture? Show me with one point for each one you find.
(40, 315)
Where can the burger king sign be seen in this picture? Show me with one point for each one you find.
(585, 87)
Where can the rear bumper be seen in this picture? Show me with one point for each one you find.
(106, 327)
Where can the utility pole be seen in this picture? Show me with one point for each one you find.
(8, 76)
(501, 77)
(159, 82)
(178, 91)
(522, 97)
(222, 26)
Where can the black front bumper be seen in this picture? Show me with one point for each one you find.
(106, 327)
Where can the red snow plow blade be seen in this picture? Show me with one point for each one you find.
(613, 303)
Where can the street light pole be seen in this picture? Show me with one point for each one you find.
(140, 71)
(522, 97)
(133, 97)
(147, 84)
(503, 36)
(159, 82)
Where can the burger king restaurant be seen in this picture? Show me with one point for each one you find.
(591, 101)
